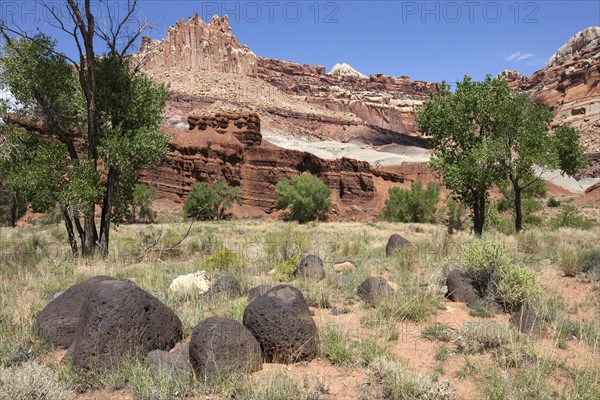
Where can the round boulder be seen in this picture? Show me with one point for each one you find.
(461, 289)
(195, 283)
(60, 319)
(221, 346)
(281, 321)
(226, 286)
(527, 320)
(310, 267)
(374, 290)
(394, 244)
(344, 267)
(121, 319)
(258, 291)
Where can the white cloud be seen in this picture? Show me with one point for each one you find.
(518, 56)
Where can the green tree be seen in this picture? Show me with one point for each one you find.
(209, 202)
(417, 204)
(141, 203)
(461, 125)
(118, 109)
(522, 136)
(306, 197)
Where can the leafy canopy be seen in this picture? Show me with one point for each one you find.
(306, 197)
(417, 204)
(209, 202)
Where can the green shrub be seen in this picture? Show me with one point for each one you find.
(336, 346)
(570, 217)
(306, 197)
(569, 262)
(284, 271)
(456, 214)
(514, 284)
(437, 331)
(224, 260)
(416, 204)
(209, 202)
(141, 204)
(481, 258)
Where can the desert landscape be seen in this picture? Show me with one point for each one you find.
(279, 231)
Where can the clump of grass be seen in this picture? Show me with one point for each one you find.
(224, 260)
(276, 387)
(477, 337)
(316, 294)
(590, 263)
(437, 331)
(282, 244)
(569, 262)
(402, 384)
(371, 350)
(284, 271)
(468, 369)
(337, 346)
(32, 381)
(570, 217)
(416, 305)
(481, 312)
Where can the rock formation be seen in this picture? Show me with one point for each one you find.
(345, 70)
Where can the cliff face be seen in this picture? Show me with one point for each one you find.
(208, 70)
(229, 147)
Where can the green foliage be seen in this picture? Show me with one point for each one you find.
(209, 202)
(553, 202)
(306, 197)
(481, 258)
(590, 262)
(224, 260)
(479, 336)
(568, 149)
(141, 203)
(514, 284)
(284, 271)
(32, 381)
(455, 212)
(417, 204)
(570, 217)
(436, 331)
(336, 346)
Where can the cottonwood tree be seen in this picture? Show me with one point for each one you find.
(522, 134)
(121, 109)
(462, 126)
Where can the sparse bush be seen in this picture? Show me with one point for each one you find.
(456, 214)
(590, 262)
(570, 217)
(224, 260)
(284, 271)
(416, 204)
(479, 336)
(284, 243)
(569, 262)
(306, 197)
(32, 381)
(402, 384)
(436, 331)
(209, 202)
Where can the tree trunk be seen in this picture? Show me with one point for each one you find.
(518, 206)
(13, 212)
(479, 215)
(70, 232)
(107, 210)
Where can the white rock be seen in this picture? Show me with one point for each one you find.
(344, 267)
(345, 70)
(585, 40)
(197, 282)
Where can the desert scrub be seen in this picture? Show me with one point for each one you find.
(514, 285)
(224, 260)
(276, 387)
(414, 305)
(479, 336)
(32, 381)
(436, 331)
(402, 384)
(481, 258)
(590, 263)
(286, 242)
(570, 217)
(284, 271)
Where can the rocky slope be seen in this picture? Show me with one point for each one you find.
(208, 69)
(229, 146)
(570, 85)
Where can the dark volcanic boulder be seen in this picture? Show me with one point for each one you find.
(311, 267)
(60, 319)
(120, 319)
(258, 291)
(461, 289)
(226, 286)
(281, 321)
(221, 346)
(394, 244)
(374, 290)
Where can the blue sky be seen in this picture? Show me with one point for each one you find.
(425, 40)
